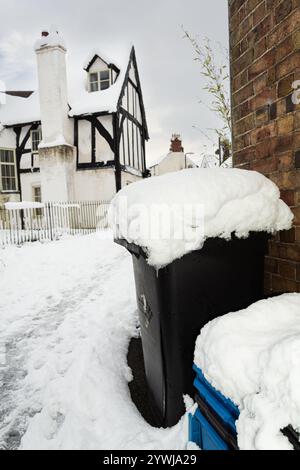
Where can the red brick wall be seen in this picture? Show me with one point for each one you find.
(265, 60)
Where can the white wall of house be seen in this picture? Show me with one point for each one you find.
(7, 138)
(103, 150)
(95, 185)
(28, 182)
(173, 161)
(128, 178)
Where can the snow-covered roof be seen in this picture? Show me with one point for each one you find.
(17, 110)
(158, 160)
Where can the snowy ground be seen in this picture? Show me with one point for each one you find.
(67, 312)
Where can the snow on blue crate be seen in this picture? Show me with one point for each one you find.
(212, 427)
(203, 434)
(227, 411)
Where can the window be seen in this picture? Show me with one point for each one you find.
(99, 80)
(36, 137)
(37, 194)
(8, 180)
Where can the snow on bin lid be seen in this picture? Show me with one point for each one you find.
(253, 356)
(172, 215)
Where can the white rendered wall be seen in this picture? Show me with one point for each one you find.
(53, 95)
(128, 178)
(103, 150)
(28, 182)
(7, 139)
(95, 185)
(174, 161)
(57, 173)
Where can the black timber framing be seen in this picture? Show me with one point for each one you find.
(116, 131)
(20, 148)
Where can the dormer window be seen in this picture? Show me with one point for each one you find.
(99, 80)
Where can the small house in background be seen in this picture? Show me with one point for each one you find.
(175, 160)
(77, 140)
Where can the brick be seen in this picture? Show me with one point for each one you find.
(285, 124)
(262, 116)
(241, 111)
(283, 143)
(241, 142)
(244, 125)
(262, 64)
(287, 236)
(298, 273)
(285, 48)
(259, 48)
(287, 65)
(263, 27)
(267, 283)
(284, 29)
(263, 98)
(285, 86)
(287, 270)
(297, 120)
(265, 149)
(296, 40)
(273, 111)
(281, 107)
(285, 161)
(297, 159)
(296, 212)
(271, 265)
(288, 197)
(244, 156)
(260, 83)
(288, 180)
(240, 80)
(243, 94)
(265, 166)
(259, 13)
(263, 132)
(242, 62)
(281, 285)
(283, 10)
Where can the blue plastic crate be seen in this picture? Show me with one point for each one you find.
(223, 407)
(203, 434)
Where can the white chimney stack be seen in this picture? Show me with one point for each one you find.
(56, 153)
(52, 75)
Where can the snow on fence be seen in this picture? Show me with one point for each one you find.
(28, 222)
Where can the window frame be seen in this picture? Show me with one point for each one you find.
(39, 130)
(14, 164)
(99, 80)
(34, 187)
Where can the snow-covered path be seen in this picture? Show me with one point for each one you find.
(67, 312)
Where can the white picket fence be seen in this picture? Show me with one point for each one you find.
(51, 221)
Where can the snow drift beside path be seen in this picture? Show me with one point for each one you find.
(68, 311)
(233, 201)
(253, 357)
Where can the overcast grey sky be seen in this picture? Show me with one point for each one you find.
(172, 86)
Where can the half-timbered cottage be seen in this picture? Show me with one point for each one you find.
(82, 142)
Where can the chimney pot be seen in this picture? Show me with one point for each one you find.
(176, 144)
